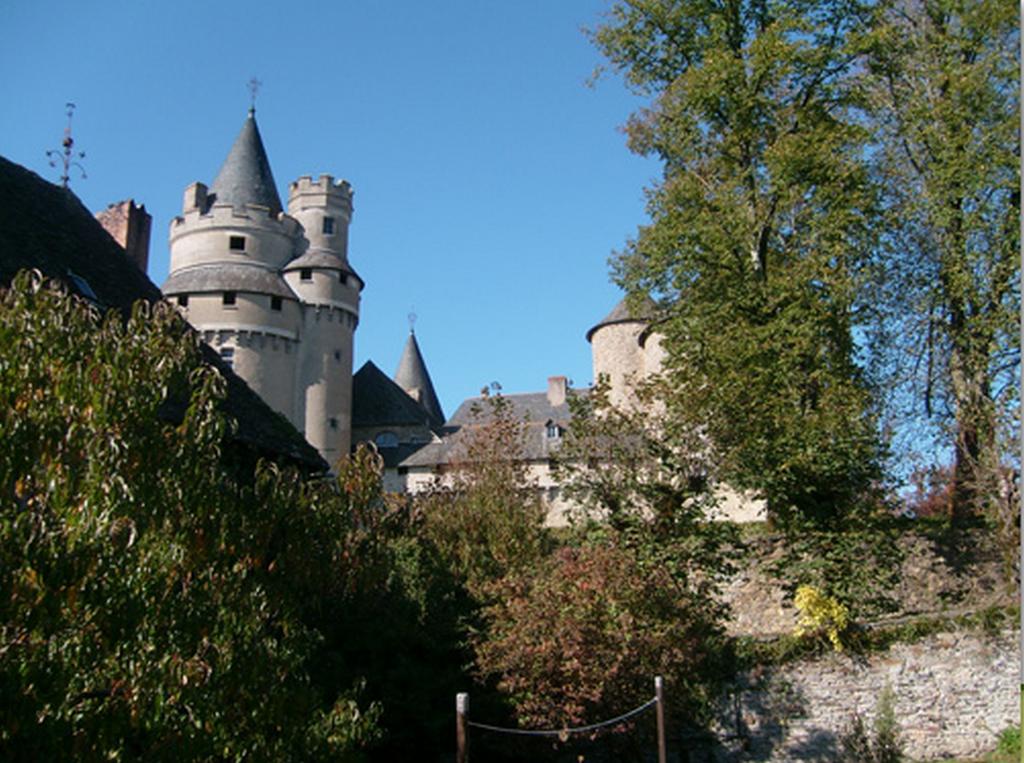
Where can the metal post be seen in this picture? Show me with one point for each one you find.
(659, 695)
(461, 737)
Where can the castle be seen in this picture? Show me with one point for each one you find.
(272, 290)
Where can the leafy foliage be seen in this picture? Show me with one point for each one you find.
(820, 614)
(483, 514)
(150, 603)
(758, 237)
(880, 745)
(943, 86)
(580, 637)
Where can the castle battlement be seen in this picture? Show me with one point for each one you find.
(325, 185)
(228, 216)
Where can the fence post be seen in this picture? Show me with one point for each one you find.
(659, 694)
(461, 737)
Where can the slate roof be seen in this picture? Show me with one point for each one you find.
(533, 408)
(621, 313)
(46, 227)
(377, 401)
(227, 277)
(412, 374)
(245, 177)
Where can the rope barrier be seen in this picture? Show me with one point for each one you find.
(561, 733)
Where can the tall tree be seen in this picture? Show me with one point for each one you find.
(944, 91)
(756, 237)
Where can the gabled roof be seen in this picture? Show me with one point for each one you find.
(622, 313)
(377, 401)
(46, 227)
(412, 375)
(245, 177)
(534, 409)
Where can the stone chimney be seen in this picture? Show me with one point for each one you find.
(557, 388)
(129, 225)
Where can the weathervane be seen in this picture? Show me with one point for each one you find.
(254, 89)
(412, 321)
(66, 156)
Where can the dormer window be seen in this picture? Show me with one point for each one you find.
(236, 243)
(553, 431)
(328, 227)
(386, 440)
(306, 274)
(228, 299)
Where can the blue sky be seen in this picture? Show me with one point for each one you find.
(491, 182)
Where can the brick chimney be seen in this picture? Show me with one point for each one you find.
(129, 225)
(557, 387)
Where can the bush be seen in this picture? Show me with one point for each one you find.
(154, 602)
(882, 744)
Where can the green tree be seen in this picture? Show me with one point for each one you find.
(148, 602)
(944, 88)
(483, 513)
(758, 233)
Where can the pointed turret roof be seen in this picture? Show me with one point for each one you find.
(245, 176)
(412, 376)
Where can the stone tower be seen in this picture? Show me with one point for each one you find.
(625, 350)
(271, 290)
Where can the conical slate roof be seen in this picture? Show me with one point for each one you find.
(245, 176)
(412, 376)
(622, 314)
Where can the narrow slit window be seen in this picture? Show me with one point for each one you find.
(275, 303)
(237, 244)
(343, 277)
(228, 299)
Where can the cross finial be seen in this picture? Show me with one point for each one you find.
(254, 89)
(66, 156)
(412, 321)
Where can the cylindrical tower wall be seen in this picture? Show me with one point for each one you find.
(324, 208)
(324, 380)
(618, 356)
(226, 234)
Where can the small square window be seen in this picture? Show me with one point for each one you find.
(333, 422)
(328, 228)
(228, 299)
(306, 274)
(183, 300)
(275, 303)
(237, 244)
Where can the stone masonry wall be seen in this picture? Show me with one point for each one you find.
(954, 692)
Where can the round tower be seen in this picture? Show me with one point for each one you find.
(227, 248)
(617, 347)
(328, 289)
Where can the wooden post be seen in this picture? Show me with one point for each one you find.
(461, 737)
(659, 694)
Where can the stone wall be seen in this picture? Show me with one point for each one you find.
(954, 692)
